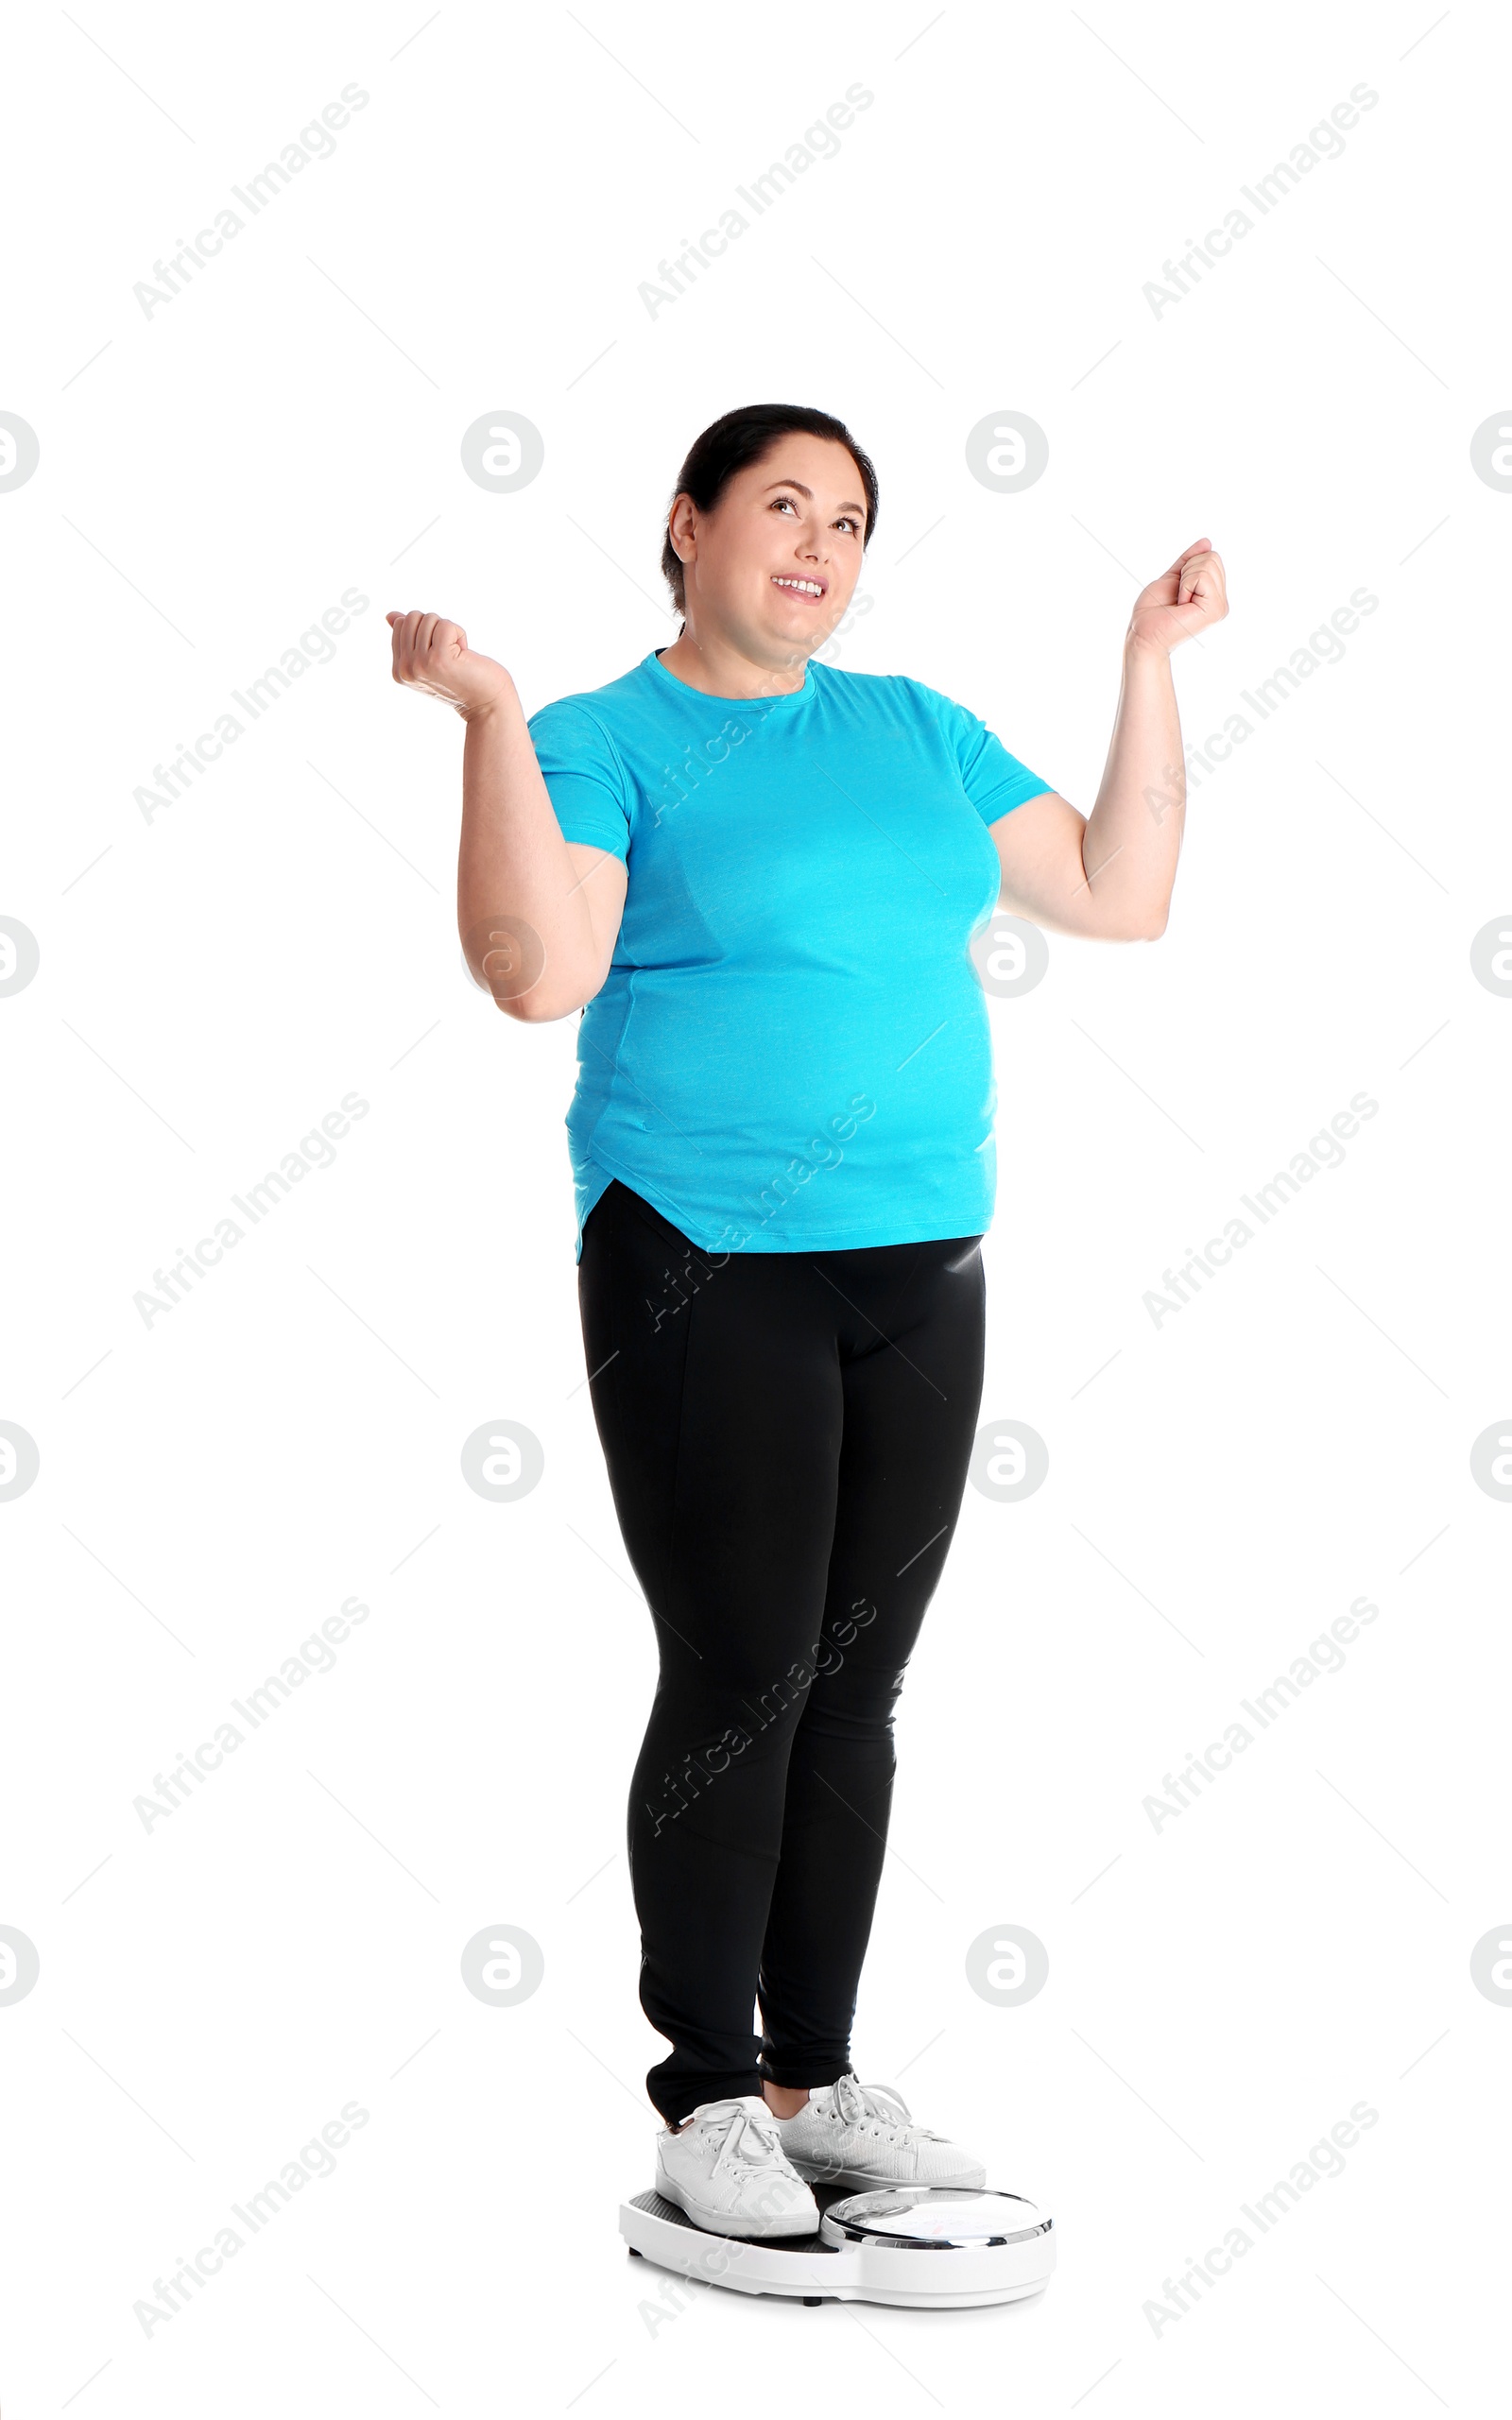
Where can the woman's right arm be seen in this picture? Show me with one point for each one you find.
(539, 916)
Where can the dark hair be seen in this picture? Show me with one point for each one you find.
(741, 438)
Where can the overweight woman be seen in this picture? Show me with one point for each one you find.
(757, 876)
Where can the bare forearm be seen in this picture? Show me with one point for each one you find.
(1133, 835)
(518, 900)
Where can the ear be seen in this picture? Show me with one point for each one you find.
(680, 528)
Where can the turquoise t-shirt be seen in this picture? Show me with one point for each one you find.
(791, 1050)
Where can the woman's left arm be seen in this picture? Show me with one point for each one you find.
(1109, 876)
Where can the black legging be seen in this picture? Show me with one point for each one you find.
(787, 1437)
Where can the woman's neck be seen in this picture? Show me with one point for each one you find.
(721, 669)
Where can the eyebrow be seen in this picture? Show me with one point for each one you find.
(799, 488)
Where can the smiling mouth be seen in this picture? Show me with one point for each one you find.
(798, 584)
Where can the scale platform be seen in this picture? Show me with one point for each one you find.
(933, 2247)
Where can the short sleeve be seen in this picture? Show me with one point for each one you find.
(586, 782)
(994, 780)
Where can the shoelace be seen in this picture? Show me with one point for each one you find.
(749, 2142)
(857, 2105)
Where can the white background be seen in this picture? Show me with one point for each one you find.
(1221, 1487)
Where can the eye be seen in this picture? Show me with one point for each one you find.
(843, 520)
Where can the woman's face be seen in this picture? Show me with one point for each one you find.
(771, 568)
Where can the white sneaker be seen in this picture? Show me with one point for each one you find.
(849, 2133)
(729, 2171)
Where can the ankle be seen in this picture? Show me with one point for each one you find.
(784, 2101)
